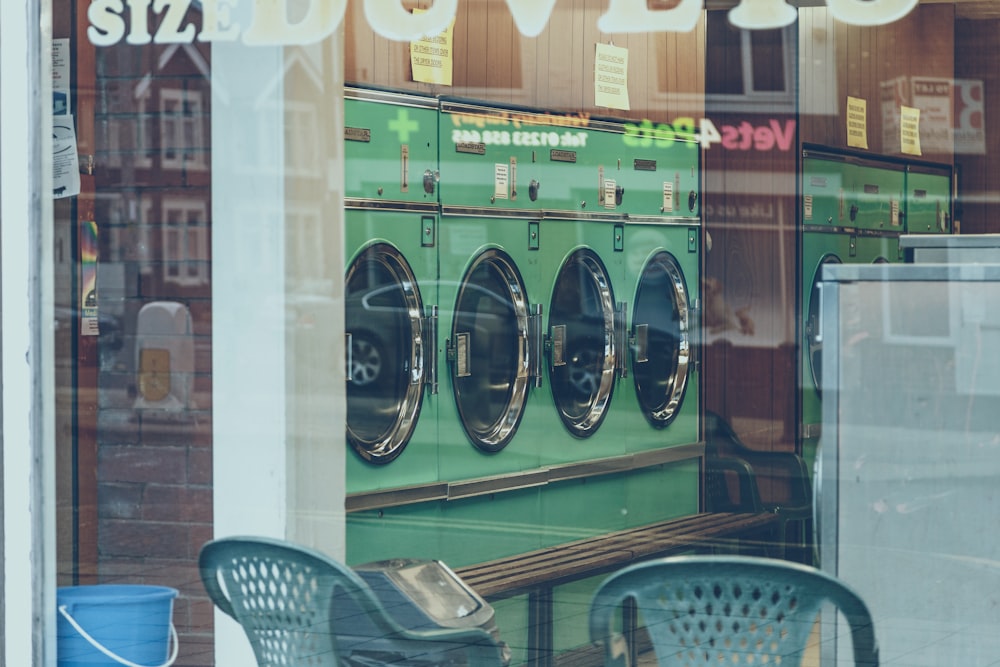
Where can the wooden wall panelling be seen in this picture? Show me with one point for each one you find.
(592, 10)
(460, 51)
(476, 55)
(359, 46)
(397, 58)
(820, 89)
(841, 45)
(977, 51)
(577, 43)
(529, 69)
(535, 65)
(560, 56)
(640, 68)
(496, 49)
(935, 40)
(691, 49)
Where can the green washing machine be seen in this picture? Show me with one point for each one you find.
(929, 196)
(390, 289)
(490, 325)
(582, 238)
(851, 214)
(662, 247)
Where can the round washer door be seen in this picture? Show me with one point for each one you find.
(662, 350)
(813, 340)
(383, 319)
(490, 338)
(584, 350)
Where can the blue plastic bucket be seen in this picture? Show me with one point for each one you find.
(115, 625)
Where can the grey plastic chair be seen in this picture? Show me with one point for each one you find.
(299, 607)
(726, 610)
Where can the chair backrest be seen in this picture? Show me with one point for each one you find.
(299, 607)
(727, 610)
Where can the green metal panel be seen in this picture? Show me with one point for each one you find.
(581, 508)
(390, 146)
(458, 532)
(584, 349)
(512, 620)
(660, 178)
(928, 201)
(506, 159)
(661, 492)
(396, 532)
(876, 197)
(824, 197)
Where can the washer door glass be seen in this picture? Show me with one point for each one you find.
(582, 333)
(490, 339)
(813, 335)
(383, 319)
(662, 350)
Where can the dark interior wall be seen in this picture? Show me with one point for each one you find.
(751, 212)
(749, 286)
(977, 52)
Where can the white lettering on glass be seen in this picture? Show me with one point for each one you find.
(216, 21)
(170, 31)
(107, 27)
(139, 32)
(636, 16)
(531, 16)
(869, 12)
(270, 26)
(389, 19)
(110, 22)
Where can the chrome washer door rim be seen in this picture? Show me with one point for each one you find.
(492, 278)
(661, 387)
(391, 307)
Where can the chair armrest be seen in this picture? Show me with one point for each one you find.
(785, 468)
(717, 485)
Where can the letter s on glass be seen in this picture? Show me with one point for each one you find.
(107, 27)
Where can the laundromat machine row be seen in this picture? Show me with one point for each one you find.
(521, 304)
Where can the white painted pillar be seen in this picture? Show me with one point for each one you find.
(28, 503)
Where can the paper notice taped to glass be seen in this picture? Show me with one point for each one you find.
(65, 160)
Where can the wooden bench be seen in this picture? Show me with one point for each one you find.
(537, 573)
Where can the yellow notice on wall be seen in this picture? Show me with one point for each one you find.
(611, 77)
(857, 122)
(432, 58)
(909, 131)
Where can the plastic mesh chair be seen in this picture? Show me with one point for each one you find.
(726, 610)
(292, 602)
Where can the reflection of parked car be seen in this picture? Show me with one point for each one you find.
(110, 337)
(378, 320)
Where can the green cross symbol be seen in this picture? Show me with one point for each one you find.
(403, 126)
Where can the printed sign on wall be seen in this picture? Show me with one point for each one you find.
(432, 58)
(857, 122)
(611, 77)
(909, 131)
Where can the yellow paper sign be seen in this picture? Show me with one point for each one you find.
(909, 131)
(857, 122)
(432, 58)
(611, 77)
